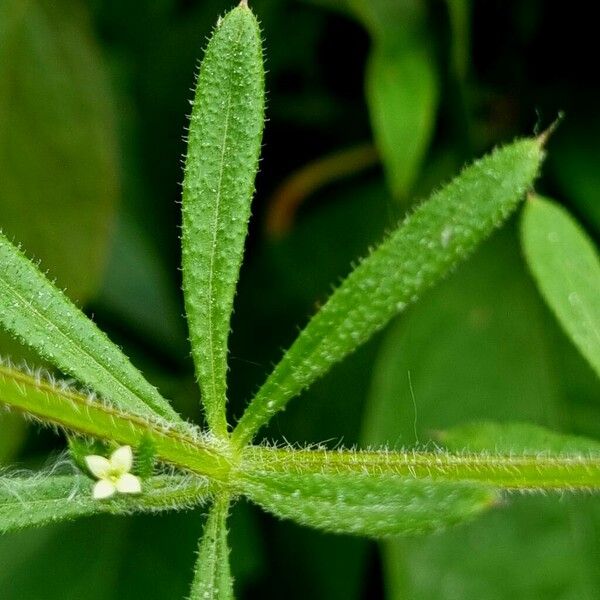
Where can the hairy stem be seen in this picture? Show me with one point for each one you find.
(70, 409)
(519, 472)
(213, 458)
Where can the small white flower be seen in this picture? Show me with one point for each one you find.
(113, 473)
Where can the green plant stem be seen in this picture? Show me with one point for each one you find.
(75, 411)
(213, 458)
(524, 473)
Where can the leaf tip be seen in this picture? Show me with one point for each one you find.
(543, 137)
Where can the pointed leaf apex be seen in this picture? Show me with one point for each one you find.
(543, 137)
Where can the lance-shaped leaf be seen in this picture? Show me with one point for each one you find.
(212, 576)
(365, 504)
(39, 500)
(515, 439)
(224, 144)
(401, 85)
(402, 91)
(41, 316)
(565, 264)
(435, 237)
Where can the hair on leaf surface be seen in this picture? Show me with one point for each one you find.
(120, 428)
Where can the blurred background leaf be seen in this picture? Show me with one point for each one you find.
(566, 267)
(401, 85)
(59, 169)
(574, 164)
(515, 438)
(508, 553)
(13, 435)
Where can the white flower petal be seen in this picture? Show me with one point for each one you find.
(122, 459)
(98, 465)
(129, 484)
(103, 489)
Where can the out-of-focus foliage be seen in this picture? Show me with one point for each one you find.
(481, 346)
(59, 169)
(473, 562)
(566, 266)
(515, 438)
(13, 435)
(402, 85)
(575, 163)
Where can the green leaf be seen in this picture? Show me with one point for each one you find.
(212, 577)
(39, 500)
(508, 553)
(459, 15)
(435, 237)
(59, 181)
(363, 504)
(566, 267)
(402, 92)
(41, 316)
(224, 145)
(401, 85)
(516, 438)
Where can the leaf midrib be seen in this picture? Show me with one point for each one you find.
(218, 426)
